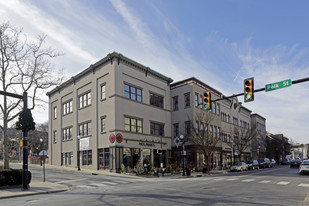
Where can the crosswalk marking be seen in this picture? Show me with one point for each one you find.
(84, 186)
(121, 182)
(264, 181)
(283, 183)
(248, 180)
(98, 184)
(66, 181)
(110, 183)
(303, 185)
(218, 179)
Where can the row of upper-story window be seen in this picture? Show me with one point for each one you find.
(130, 92)
(198, 103)
(227, 118)
(200, 128)
(131, 124)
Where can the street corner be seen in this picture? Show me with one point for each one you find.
(36, 187)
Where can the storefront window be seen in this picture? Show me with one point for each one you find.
(146, 157)
(136, 156)
(159, 156)
(103, 158)
(127, 158)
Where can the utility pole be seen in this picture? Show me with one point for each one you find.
(24, 97)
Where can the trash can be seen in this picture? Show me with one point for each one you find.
(204, 170)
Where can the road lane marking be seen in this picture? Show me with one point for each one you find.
(65, 181)
(264, 181)
(283, 183)
(248, 180)
(232, 179)
(303, 185)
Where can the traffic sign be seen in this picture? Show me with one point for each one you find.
(278, 85)
(177, 141)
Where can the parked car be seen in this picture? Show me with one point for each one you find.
(304, 167)
(240, 166)
(285, 162)
(264, 162)
(273, 163)
(295, 163)
(253, 164)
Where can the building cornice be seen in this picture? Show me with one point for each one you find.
(109, 59)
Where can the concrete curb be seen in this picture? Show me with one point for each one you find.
(36, 187)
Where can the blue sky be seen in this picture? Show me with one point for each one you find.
(219, 42)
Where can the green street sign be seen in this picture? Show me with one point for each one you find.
(278, 85)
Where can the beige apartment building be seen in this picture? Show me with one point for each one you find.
(118, 111)
(235, 120)
(115, 111)
(188, 115)
(226, 116)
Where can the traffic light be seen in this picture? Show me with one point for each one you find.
(207, 100)
(249, 89)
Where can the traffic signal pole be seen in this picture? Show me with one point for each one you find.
(261, 89)
(24, 97)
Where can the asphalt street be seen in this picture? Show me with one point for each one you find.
(271, 186)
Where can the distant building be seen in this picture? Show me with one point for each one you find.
(277, 146)
(299, 151)
(258, 144)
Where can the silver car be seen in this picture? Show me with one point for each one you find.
(304, 167)
(240, 166)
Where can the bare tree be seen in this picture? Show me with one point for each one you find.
(204, 139)
(24, 67)
(242, 138)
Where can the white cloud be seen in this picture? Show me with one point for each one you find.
(49, 26)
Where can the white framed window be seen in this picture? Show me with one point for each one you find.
(187, 99)
(85, 100)
(196, 128)
(103, 124)
(103, 91)
(55, 113)
(55, 136)
(84, 129)
(196, 100)
(133, 125)
(133, 93)
(67, 133)
(67, 107)
(175, 103)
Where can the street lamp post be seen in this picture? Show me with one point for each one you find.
(78, 160)
(183, 155)
(43, 159)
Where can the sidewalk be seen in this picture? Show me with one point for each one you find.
(36, 187)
